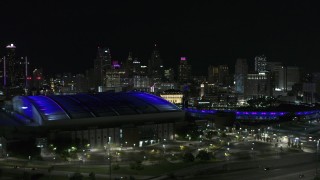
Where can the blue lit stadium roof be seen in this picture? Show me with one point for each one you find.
(64, 107)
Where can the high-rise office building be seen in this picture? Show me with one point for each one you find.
(260, 63)
(21, 72)
(224, 77)
(129, 66)
(136, 67)
(114, 76)
(213, 74)
(102, 64)
(169, 75)
(140, 79)
(155, 66)
(141, 83)
(10, 63)
(219, 75)
(37, 79)
(258, 85)
(14, 69)
(241, 72)
(292, 76)
(184, 70)
(277, 80)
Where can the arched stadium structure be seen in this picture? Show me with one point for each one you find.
(102, 117)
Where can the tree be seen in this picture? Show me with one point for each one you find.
(188, 157)
(204, 155)
(26, 176)
(115, 167)
(211, 134)
(136, 165)
(76, 176)
(223, 135)
(29, 147)
(92, 176)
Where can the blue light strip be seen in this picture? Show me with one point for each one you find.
(252, 113)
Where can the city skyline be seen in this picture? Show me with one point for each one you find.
(52, 34)
(159, 89)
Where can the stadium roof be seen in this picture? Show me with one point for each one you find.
(62, 107)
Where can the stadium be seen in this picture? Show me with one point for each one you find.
(130, 118)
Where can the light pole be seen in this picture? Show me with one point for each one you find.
(110, 167)
(317, 159)
(27, 163)
(228, 157)
(253, 151)
(109, 158)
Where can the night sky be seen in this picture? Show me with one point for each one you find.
(63, 36)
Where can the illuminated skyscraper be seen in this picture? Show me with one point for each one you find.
(155, 66)
(37, 78)
(219, 75)
(113, 77)
(258, 85)
(213, 74)
(136, 67)
(141, 81)
(260, 63)
(278, 75)
(292, 76)
(241, 72)
(224, 77)
(102, 64)
(184, 70)
(169, 75)
(10, 64)
(129, 66)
